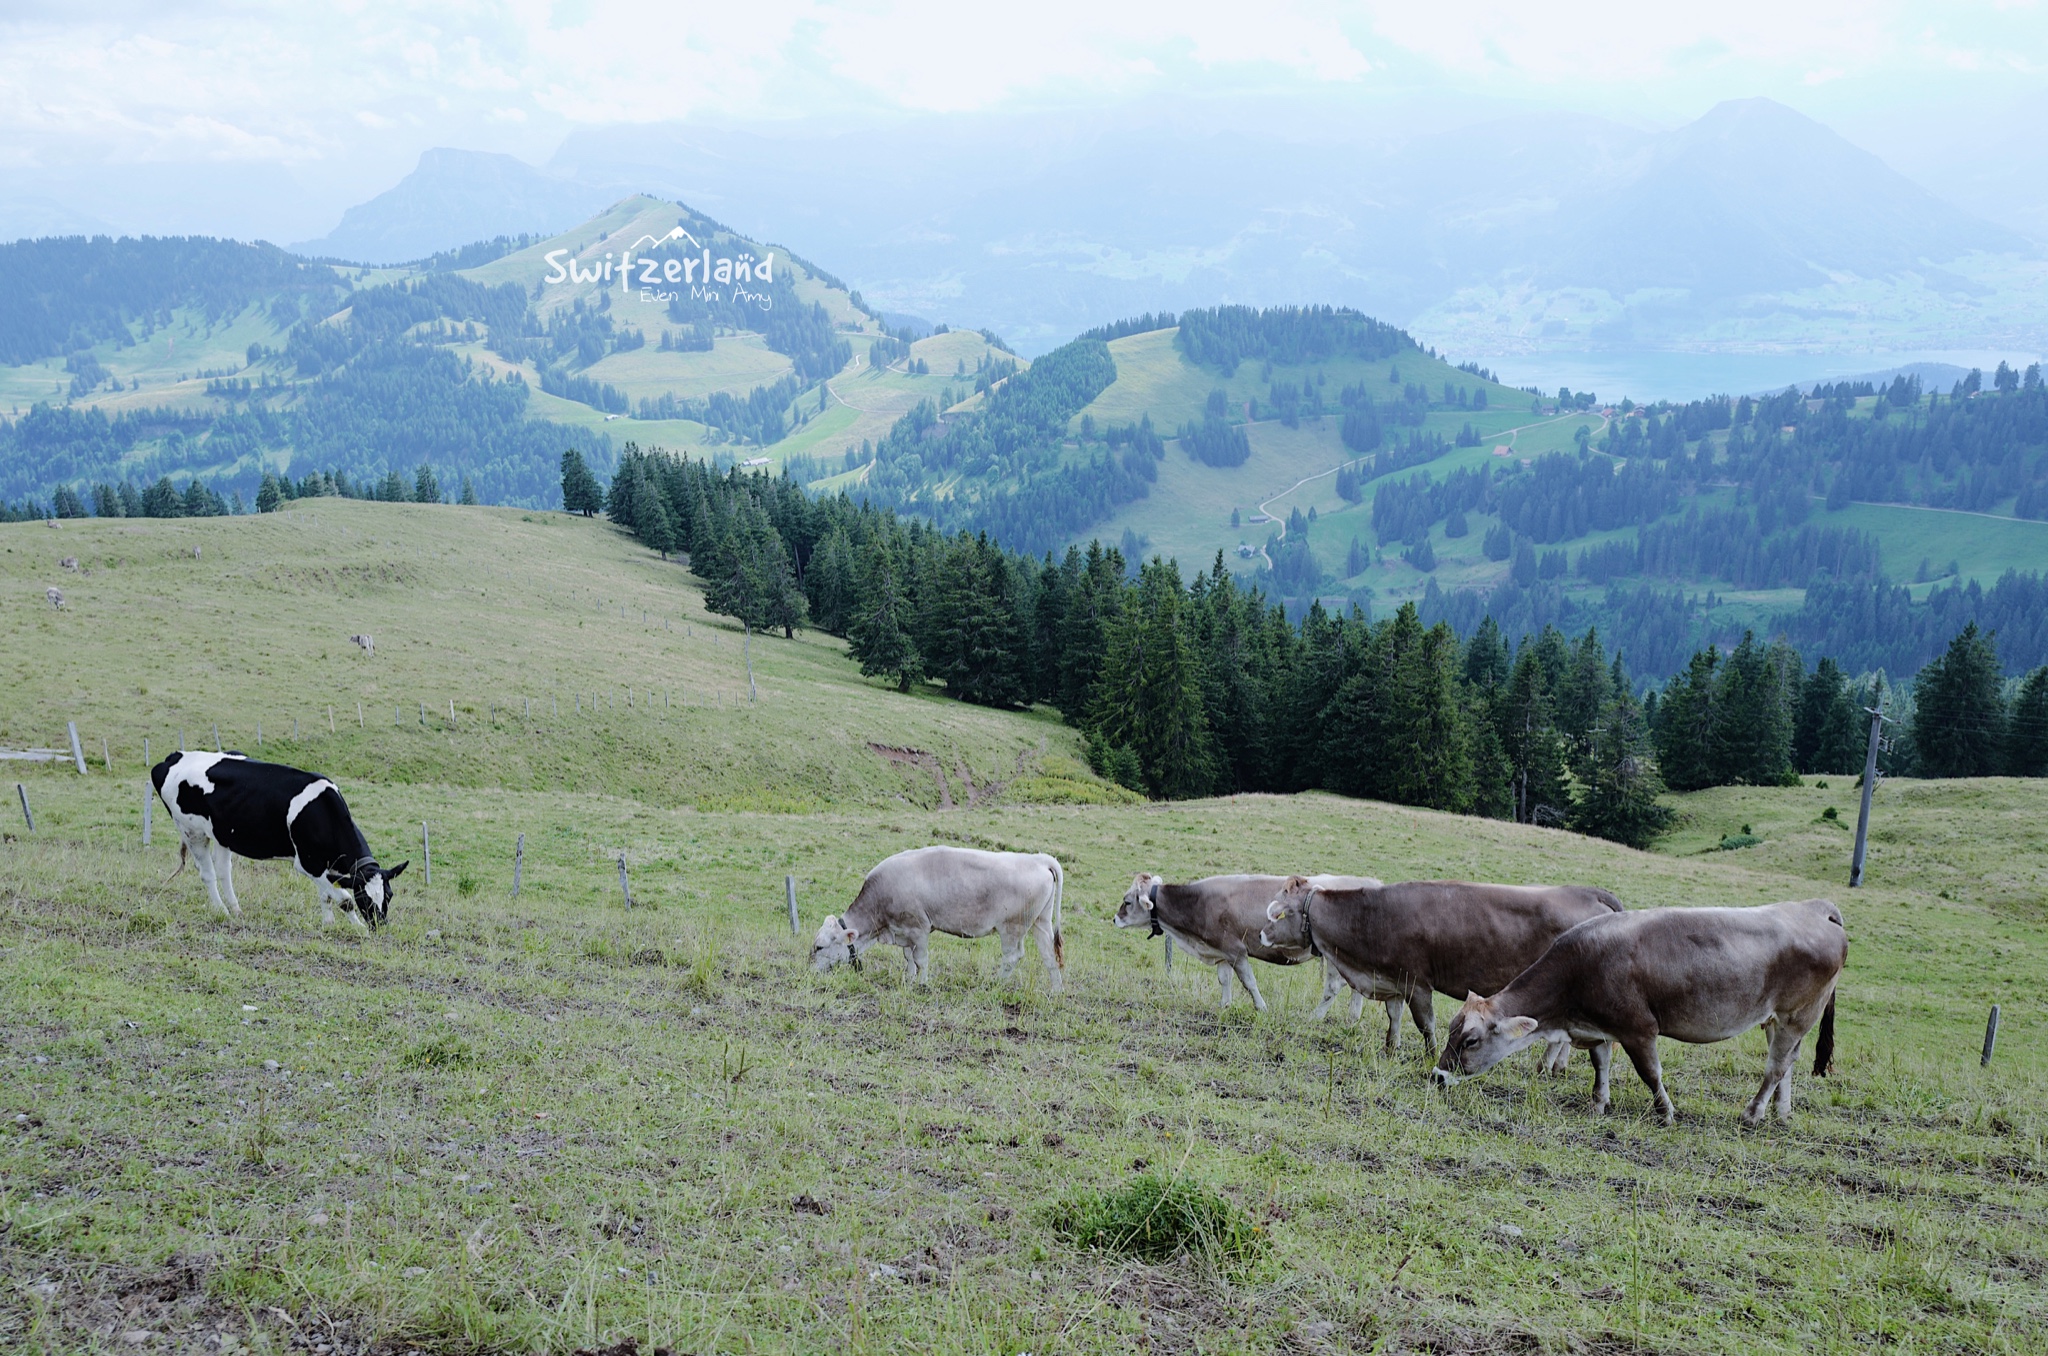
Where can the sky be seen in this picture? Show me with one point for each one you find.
(265, 119)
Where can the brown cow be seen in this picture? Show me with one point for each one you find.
(1695, 975)
(1217, 919)
(1402, 943)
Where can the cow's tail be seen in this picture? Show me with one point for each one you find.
(1824, 1044)
(1059, 884)
(184, 850)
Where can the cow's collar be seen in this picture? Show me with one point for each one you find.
(1308, 927)
(1152, 898)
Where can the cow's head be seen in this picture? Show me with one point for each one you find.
(370, 886)
(837, 943)
(1286, 916)
(1136, 910)
(1479, 1038)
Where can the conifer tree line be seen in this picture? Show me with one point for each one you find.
(1183, 687)
(1755, 717)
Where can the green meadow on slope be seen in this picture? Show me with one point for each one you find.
(539, 1123)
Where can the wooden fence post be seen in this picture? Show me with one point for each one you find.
(259, 734)
(77, 754)
(330, 720)
(106, 757)
(427, 852)
(1169, 955)
(295, 729)
(22, 791)
(1990, 1038)
(518, 861)
(359, 717)
(623, 888)
(789, 884)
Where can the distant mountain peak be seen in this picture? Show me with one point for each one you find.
(453, 197)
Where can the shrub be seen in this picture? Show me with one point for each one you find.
(1156, 1219)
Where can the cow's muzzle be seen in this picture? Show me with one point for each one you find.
(1442, 1077)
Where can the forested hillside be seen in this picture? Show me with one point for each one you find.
(128, 361)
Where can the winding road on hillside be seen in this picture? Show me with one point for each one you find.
(1512, 434)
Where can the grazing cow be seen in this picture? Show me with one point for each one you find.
(962, 891)
(1217, 920)
(366, 644)
(1695, 975)
(225, 804)
(1402, 944)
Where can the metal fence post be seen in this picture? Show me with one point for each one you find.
(789, 884)
(518, 861)
(427, 852)
(22, 791)
(624, 889)
(77, 754)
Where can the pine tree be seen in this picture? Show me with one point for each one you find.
(1959, 710)
(879, 637)
(1826, 733)
(1427, 748)
(1617, 799)
(1148, 697)
(580, 491)
(268, 496)
(970, 634)
(65, 503)
(829, 582)
(426, 486)
(1528, 736)
(468, 491)
(105, 502)
(2026, 734)
(1752, 732)
(1685, 724)
(653, 524)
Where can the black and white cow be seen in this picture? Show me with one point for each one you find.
(226, 804)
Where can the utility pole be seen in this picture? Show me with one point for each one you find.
(1869, 785)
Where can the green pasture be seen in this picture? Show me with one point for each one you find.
(1983, 544)
(550, 1122)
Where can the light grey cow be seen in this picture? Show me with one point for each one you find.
(1694, 975)
(1217, 920)
(962, 891)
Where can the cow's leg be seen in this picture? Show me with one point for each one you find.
(1250, 982)
(1041, 933)
(1602, 1053)
(1394, 1007)
(326, 898)
(224, 872)
(1012, 939)
(1357, 1005)
(917, 954)
(1784, 1050)
(1557, 1053)
(201, 852)
(1223, 980)
(1333, 985)
(1422, 1007)
(1642, 1052)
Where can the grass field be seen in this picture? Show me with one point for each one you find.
(542, 1123)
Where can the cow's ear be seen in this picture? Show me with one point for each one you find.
(851, 933)
(1153, 882)
(395, 872)
(1472, 999)
(1518, 1027)
(1297, 882)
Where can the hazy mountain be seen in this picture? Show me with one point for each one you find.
(452, 198)
(1537, 229)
